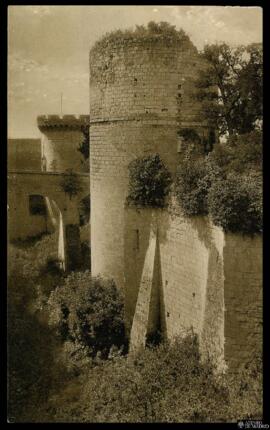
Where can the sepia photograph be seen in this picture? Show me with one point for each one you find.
(135, 214)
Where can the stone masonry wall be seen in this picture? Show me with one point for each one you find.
(23, 184)
(243, 298)
(141, 94)
(209, 282)
(24, 154)
(61, 138)
(144, 79)
(21, 224)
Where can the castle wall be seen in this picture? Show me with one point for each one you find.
(243, 298)
(209, 281)
(61, 138)
(21, 224)
(24, 154)
(60, 150)
(141, 94)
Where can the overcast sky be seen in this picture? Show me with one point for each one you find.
(49, 45)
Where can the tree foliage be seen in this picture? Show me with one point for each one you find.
(191, 186)
(31, 365)
(70, 183)
(235, 204)
(241, 153)
(212, 185)
(168, 383)
(88, 314)
(231, 87)
(149, 181)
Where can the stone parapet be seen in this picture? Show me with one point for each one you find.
(73, 122)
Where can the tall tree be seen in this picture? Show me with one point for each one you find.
(230, 88)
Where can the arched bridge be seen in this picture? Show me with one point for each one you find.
(62, 209)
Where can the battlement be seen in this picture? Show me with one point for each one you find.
(73, 122)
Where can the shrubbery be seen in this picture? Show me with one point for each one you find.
(192, 186)
(226, 184)
(149, 182)
(235, 204)
(31, 366)
(30, 256)
(241, 153)
(168, 383)
(88, 312)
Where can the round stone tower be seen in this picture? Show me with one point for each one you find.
(141, 96)
(61, 138)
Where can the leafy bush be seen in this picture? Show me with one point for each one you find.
(31, 367)
(70, 183)
(168, 383)
(192, 185)
(88, 312)
(212, 184)
(29, 256)
(241, 153)
(149, 181)
(235, 204)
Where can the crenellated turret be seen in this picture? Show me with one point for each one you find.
(61, 140)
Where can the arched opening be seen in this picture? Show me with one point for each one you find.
(37, 205)
(42, 207)
(33, 222)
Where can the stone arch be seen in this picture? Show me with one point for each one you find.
(61, 210)
(43, 205)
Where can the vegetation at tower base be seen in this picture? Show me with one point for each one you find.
(167, 383)
(237, 73)
(55, 380)
(70, 183)
(31, 365)
(88, 315)
(149, 182)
